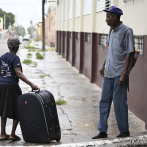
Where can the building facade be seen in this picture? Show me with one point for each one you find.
(81, 33)
(50, 21)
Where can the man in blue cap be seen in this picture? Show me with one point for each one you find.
(115, 71)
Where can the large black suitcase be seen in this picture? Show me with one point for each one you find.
(38, 117)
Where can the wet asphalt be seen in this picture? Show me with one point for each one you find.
(79, 116)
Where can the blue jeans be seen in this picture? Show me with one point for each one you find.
(113, 91)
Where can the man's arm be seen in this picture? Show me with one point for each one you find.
(123, 75)
(102, 69)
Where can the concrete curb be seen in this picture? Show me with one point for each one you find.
(133, 141)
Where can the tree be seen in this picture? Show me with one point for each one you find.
(9, 17)
(31, 28)
(19, 30)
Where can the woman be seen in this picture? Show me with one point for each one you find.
(10, 73)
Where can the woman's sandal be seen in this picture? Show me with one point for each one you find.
(15, 139)
(6, 138)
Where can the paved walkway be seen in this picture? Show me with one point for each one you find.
(79, 117)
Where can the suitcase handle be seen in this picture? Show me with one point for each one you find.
(36, 91)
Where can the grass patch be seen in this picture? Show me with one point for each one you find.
(39, 56)
(29, 55)
(42, 76)
(30, 47)
(32, 50)
(60, 102)
(63, 56)
(27, 61)
(34, 64)
(37, 45)
(36, 40)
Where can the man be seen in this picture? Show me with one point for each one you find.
(115, 71)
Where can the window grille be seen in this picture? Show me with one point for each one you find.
(77, 11)
(77, 35)
(127, 0)
(70, 9)
(87, 37)
(102, 4)
(87, 7)
(138, 43)
(102, 39)
(70, 35)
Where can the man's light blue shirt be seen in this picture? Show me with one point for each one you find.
(121, 43)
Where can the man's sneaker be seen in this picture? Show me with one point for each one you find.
(100, 135)
(124, 134)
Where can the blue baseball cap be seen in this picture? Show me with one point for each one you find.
(115, 10)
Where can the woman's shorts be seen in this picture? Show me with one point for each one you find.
(8, 100)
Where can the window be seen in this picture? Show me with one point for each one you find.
(70, 35)
(102, 4)
(70, 9)
(87, 7)
(138, 43)
(77, 11)
(87, 37)
(102, 39)
(77, 35)
(127, 1)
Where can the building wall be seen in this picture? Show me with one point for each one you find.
(135, 15)
(88, 56)
(50, 32)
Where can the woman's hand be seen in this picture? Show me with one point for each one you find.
(34, 87)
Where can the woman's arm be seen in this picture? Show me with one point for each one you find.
(23, 78)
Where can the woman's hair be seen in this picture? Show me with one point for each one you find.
(13, 48)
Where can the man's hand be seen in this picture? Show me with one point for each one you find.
(122, 79)
(102, 71)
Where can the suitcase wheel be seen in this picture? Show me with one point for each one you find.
(58, 140)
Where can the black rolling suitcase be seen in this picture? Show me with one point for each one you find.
(38, 117)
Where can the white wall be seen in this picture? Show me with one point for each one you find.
(135, 15)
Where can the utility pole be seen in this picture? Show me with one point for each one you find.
(43, 26)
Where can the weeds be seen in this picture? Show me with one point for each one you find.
(30, 47)
(27, 61)
(29, 55)
(36, 40)
(63, 56)
(39, 56)
(44, 75)
(60, 102)
(31, 50)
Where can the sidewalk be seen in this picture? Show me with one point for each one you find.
(79, 117)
